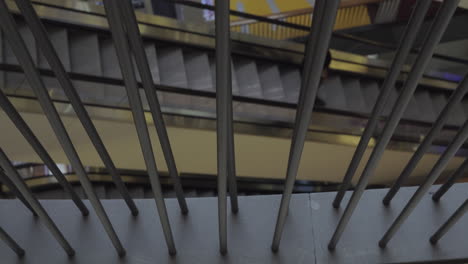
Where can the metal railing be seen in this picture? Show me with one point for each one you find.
(127, 39)
(279, 23)
(348, 16)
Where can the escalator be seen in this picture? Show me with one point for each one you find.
(266, 77)
(90, 53)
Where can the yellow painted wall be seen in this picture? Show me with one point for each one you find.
(261, 7)
(195, 151)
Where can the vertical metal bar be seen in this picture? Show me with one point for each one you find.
(18, 46)
(232, 182)
(45, 45)
(13, 175)
(316, 50)
(11, 243)
(222, 119)
(27, 133)
(450, 222)
(406, 43)
(231, 166)
(454, 100)
(451, 181)
(126, 65)
(437, 29)
(448, 154)
(5, 180)
(136, 44)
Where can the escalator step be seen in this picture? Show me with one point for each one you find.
(172, 73)
(370, 91)
(153, 61)
(171, 67)
(332, 92)
(457, 117)
(16, 82)
(84, 53)
(427, 111)
(109, 60)
(412, 111)
(391, 99)
(85, 59)
(199, 77)
(197, 66)
(353, 95)
(249, 82)
(291, 82)
(116, 95)
(270, 80)
(438, 102)
(59, 38)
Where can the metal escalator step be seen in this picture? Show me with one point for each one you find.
(353, 95)
(151, 56)
(59, 38)
(153, 61)
(391, 99)
(28, 38)
(248, 78)
(237, 106)
(427, 112)
(16, 82)
(438, 102)
(412, 111)
(198, 70)
(172, 73)
(457, 117)
(270, 80)
(171, 66)
(85, 58)
(370, 92)
(235, 85)
(84, 53)
(115, 95)
(197, 66)
(109, 60)
(332, 92)
(144, 100)
(291, 82)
